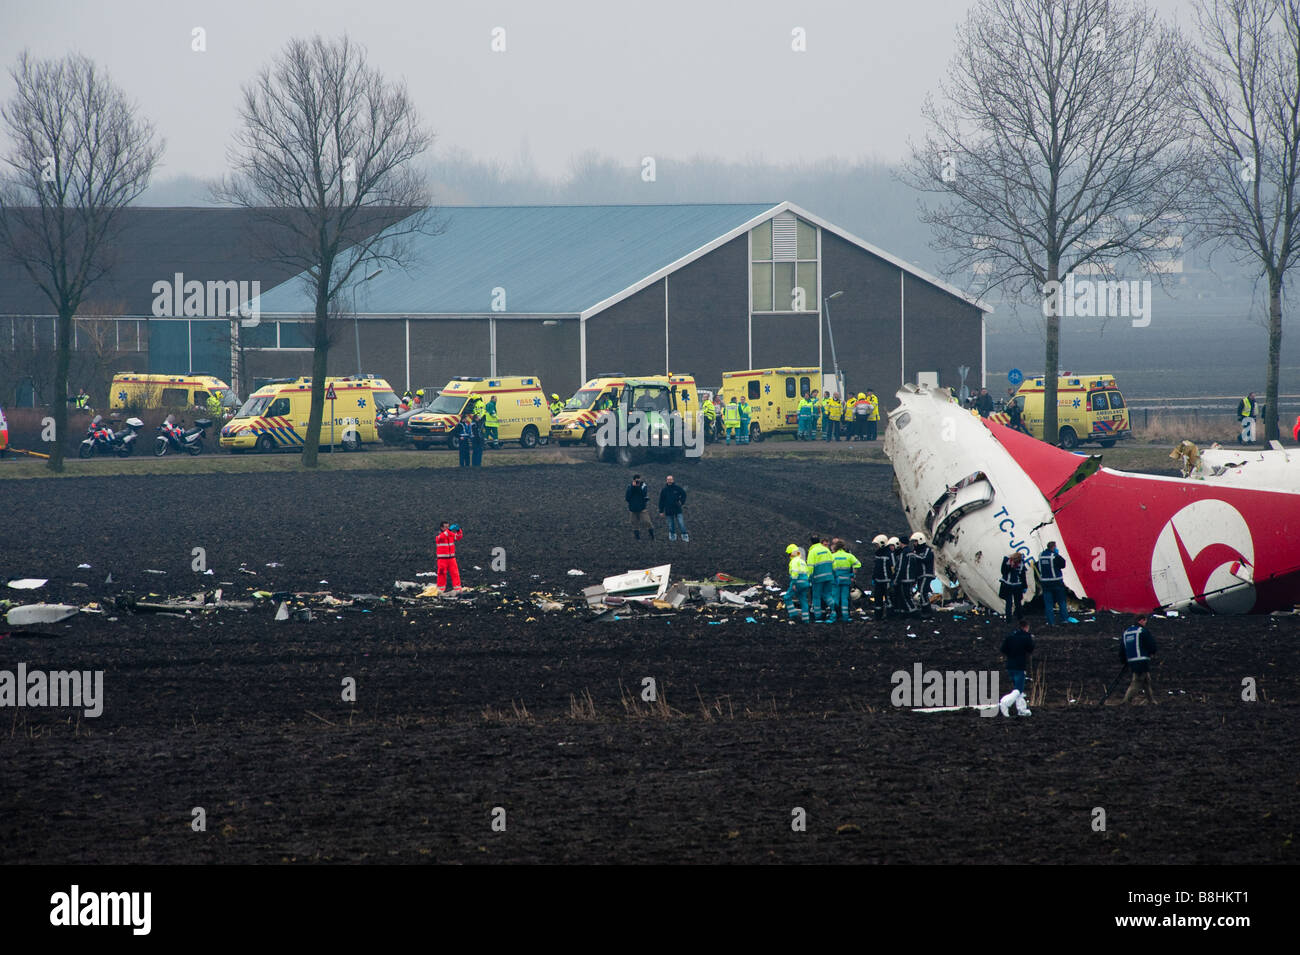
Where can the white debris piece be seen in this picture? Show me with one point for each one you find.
(283, 612)
(40, 613)
(576, 573)
(28, 583)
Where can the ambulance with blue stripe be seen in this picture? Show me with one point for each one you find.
(522, 412)
(276, 415)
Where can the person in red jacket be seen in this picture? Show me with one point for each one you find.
(448, 569)
(1296, 431)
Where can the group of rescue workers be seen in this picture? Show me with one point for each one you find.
(854, 419)
(857, 419)
(821, 580)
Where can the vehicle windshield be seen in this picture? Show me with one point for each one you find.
(384, 400)
(651, 399)
(582, 400)
(255, 406)
(447, 404)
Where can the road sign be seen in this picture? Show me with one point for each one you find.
(1015, 376)
(329, 392)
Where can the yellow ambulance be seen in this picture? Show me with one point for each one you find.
(141, 392)
(522, 411)
(579, 419)
(1090, 409)
(276, 415)
(773, 395)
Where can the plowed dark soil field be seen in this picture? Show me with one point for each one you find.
(465, 710)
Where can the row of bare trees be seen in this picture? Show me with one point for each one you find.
(1082, 136)
(323, 153)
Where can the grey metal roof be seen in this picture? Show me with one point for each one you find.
(550, 260)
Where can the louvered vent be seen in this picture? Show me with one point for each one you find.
(785, 240)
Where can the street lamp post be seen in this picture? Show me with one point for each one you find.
(839, 379)
(356, 327)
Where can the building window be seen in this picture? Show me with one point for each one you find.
(277, 335)
(783, 265)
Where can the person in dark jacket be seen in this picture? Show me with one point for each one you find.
(465, 438)
(1017, 647)
(477, 440)
(638, 499)
(883, 567)
(1136, 648)
(984, 403)
(671, 501)
(1050, 567)
(1013, 584)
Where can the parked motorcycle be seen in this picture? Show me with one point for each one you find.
(101, 439)
(175, 437)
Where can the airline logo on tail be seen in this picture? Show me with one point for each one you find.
(1206, 548)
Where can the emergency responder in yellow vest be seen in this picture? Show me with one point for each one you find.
(831, 417)
(710, 420)
(873, 419)
(556, 405)
(798, 589)
(861, 412)
(1247, 409)
(213, 406)
(817, 415)
(731, 420)
(82, 401)
(805, 419)
(419, 399)
(742, 407)
(478, 407)
(843, 564)
(490, 422)
(850, 419)
(823, 578)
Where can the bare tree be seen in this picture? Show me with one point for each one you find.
(1244, 92)
(325, 151)
(1058, 149)
(79, 156)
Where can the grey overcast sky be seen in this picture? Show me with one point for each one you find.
(628, 79)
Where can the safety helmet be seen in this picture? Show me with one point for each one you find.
(420, 392)
(555, 397)
(792, 549)
(918, 536)
(894, 541)
(880, 539)
(862, 396)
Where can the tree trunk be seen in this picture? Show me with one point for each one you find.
(60, 398)
(1274, 356)
(319, 366)
(1052, 358)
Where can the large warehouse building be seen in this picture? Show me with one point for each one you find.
(568, 292)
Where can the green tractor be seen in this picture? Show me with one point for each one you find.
(645, 425)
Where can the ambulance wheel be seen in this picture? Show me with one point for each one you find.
(453, 442)
(351, 442)
(544, 440)
(265, 443)
(1108, 444)
(1069, 440)
(529, 438)
(756, 433)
